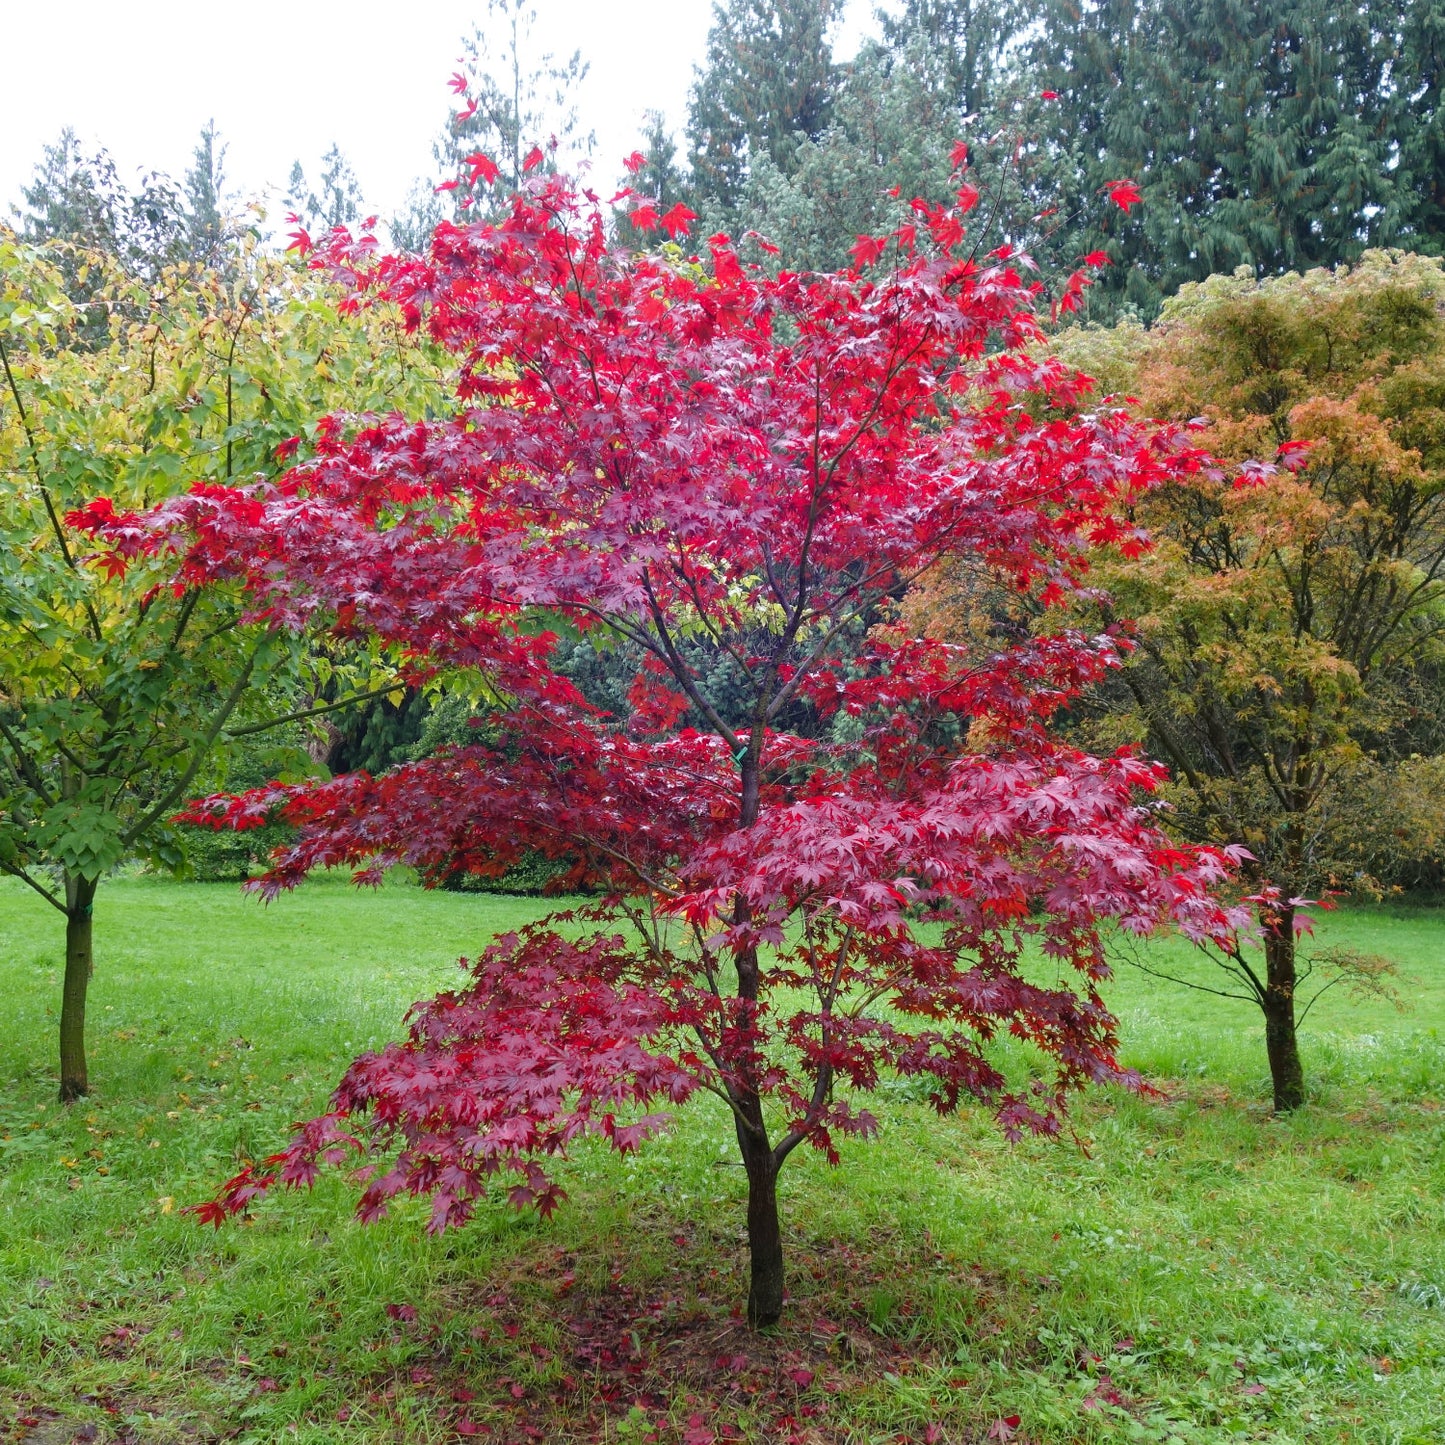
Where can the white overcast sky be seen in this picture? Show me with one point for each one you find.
(283, 79)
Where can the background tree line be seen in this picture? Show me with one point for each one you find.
(1277, 135)
(1287, 666)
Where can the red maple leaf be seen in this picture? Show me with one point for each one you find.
(484, 168)
(678, 220)
(1124, 194)
(1294, 455)
(93, 516)
(866, 250)
(698, 1432)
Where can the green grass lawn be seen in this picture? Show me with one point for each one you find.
(1188, 1269)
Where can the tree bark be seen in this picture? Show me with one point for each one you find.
(79, 901)
(1281, 1040)
(765, 1235)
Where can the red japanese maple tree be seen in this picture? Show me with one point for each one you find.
(698, 459)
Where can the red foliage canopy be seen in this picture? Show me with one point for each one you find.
(699, 460)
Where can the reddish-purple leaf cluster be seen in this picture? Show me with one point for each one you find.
(547, 1043)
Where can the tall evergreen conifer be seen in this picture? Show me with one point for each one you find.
(767, 87)
(206, 199)
(1265, 133)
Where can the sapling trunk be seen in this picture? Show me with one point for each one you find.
(1281, 1038)
(79, 902)
(765, 1235)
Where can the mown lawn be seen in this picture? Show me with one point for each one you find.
(1188, 1269)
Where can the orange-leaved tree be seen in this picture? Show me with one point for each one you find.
(1290, 614)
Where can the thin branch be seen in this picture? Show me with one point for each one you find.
(795, 1136)
(705, 959)
(1239, 966)
(310, 712)
(864, 596)
(26, 764)
(727, 1099)
(682, 672)
(1189, 983)
(45, 490)
(24, 877)
(1318, 994)
(647, 929)
(230, 377)
(202, 750)
(183, 619)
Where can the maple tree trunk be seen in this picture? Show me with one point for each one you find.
(79, 901)
(765, 1234)
(1281, 1040)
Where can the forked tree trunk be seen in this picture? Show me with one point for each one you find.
(765, 1235)
(1281, 1040)
(79, 901)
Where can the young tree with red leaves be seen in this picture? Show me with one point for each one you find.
(689, 458)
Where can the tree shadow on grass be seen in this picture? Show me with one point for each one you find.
(651, 1344)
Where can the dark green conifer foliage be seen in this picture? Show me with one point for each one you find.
(897, 109)
(379, 735)
(960, 44)
(1419, 78)
(71, 197)
(1266, 133)
(78, 198)
(766, 87)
